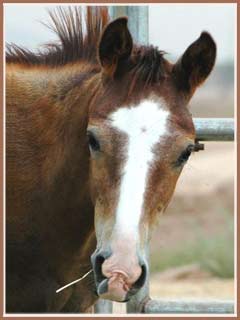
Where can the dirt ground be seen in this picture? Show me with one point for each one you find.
(197, 285)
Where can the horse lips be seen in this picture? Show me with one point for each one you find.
(114, 288)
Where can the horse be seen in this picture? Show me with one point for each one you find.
(98, 130)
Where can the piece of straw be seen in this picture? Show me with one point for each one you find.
(75, 281)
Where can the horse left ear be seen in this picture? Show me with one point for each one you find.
(196, 63)
(115, 46)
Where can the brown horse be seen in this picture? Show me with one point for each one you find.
(98, 132)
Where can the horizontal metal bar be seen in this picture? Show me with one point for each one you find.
(214, 129)
(189, 306)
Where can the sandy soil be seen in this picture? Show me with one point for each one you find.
(206, 171)
(199, 289)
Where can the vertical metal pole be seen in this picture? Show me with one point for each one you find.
(138, 26)
(137, 20)
(138, 23)
(103, 306)
(117, 11)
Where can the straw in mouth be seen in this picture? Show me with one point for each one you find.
(73, 282)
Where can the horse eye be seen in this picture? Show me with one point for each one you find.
(93, 143)
(185, 155)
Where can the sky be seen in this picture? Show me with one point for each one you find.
(172, 27)
(176, 26)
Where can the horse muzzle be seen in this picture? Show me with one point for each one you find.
(117, 278)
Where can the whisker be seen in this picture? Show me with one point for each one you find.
(73, 282)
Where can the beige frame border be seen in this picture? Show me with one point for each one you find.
(237, 86)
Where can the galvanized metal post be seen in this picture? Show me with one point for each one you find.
(137, 16)
(137, 20)
(103, 306)
(138, 26)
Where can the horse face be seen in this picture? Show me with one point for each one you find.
(137, 155)
(138, 148)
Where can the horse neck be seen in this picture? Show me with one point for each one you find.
(75, 93)
(72, 92)
(56, 103)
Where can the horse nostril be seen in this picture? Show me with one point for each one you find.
(97, 261)
(116, 286)
(103, 287)
(140, 282)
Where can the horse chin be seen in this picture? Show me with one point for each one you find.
(114, 289)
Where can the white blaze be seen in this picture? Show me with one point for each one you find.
(144, 125)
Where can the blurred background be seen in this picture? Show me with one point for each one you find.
(192, 250)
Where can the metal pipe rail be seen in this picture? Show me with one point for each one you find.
(188, 306)
(214, 129)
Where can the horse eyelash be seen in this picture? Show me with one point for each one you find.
(184, 156)
(93, 141)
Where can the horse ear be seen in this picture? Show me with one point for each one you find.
(115, 45)
(196, 63)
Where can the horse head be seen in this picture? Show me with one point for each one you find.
(140, 135)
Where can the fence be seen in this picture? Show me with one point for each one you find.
(207, 129)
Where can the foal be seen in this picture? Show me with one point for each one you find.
(97, 134)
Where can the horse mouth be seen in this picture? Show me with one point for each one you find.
(116, 285)
(114, 288)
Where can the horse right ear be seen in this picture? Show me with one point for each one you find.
(196, 63)
(115, 46)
